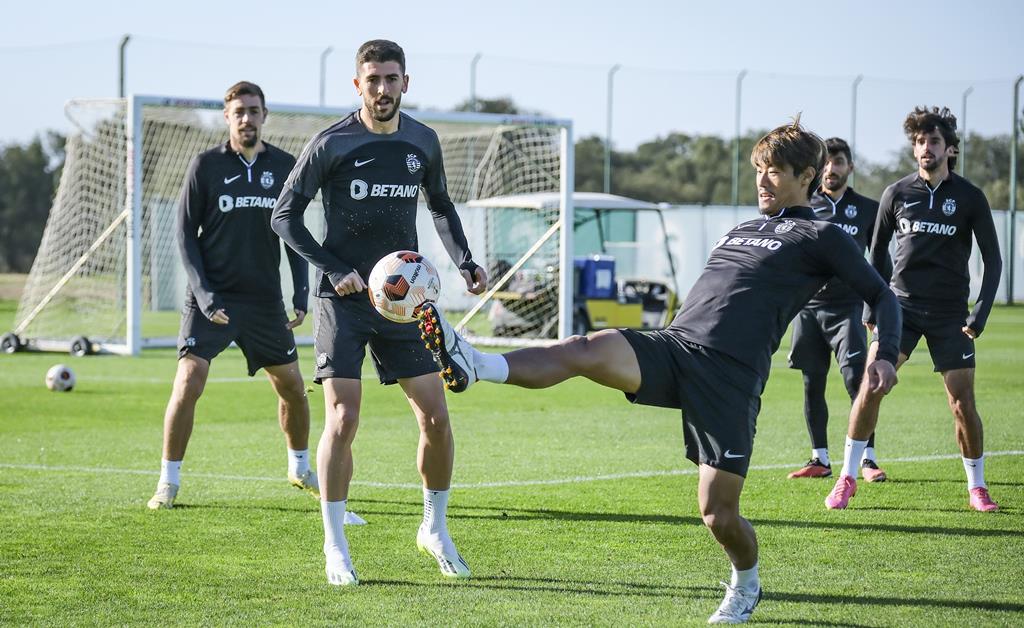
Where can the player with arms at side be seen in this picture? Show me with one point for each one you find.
(831, 321)
(233, 259)
(713, 361)
(933, 214)
(370, 167)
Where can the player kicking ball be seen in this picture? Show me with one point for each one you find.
(713, 361)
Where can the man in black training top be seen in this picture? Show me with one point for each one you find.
(370, 168)
(933, 213)
(232, 259)
(713, 361)
(831, 321)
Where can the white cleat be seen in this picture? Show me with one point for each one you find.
(164, 497)
(306, 482)
(340, 571)
(442, 549)
(737, 606)
(453, 355)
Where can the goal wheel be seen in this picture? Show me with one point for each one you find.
(10, 343)
(81, 346)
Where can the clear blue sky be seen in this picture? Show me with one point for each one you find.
(679, 59)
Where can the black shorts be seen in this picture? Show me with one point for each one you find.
(720, 397)
(821, 330)
(948, 345)
(345, 325)
(259, 329)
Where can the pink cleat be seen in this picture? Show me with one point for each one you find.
(981, 501)
(870, 471)
(814, 468)
(845, 488)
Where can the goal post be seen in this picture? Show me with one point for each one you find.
(108, 267)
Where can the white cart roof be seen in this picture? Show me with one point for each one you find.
(552, 200)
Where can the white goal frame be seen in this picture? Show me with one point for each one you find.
(132, 215)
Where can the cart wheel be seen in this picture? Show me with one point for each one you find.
(81, 346)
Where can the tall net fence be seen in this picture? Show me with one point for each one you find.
(79, 284)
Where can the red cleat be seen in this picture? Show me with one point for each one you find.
(814, 468)
(870, 472)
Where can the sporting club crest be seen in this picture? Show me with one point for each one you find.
(785, 227)
(949, 207)
(267, 179)
(412, 162)
(851, 212)
(321, 360)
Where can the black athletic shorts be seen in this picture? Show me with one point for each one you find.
(821, 330)
(345, 325)
(948, 345)
(720, 397)
(259, 329)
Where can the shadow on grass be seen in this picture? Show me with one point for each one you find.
(887, 600)
(527, 514)
(566, 585)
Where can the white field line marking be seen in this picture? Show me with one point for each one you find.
(506, 484)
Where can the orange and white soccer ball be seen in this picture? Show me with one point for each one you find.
(60, 378)
(400, 283)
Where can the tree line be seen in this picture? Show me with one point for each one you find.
(678, 168)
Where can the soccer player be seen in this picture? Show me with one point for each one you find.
(232, 259)
(933, 213)
(370, 168)
(831, 321)
(713, 361)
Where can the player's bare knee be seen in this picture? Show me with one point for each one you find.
(578, 352)
(434, 422)
(341, 423)
(292, 393)
(720, 517)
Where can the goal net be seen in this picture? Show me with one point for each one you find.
(108, 266)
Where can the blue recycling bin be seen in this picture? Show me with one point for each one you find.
(595, 276)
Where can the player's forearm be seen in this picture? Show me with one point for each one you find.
(993, 263)
(300, 279)
(286, 221)
(195, 271)
(453, 236)
(889, 315)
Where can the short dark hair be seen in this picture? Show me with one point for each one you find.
(928, 119)
(835, 145)
(380, 51)
(794, 146)
(244, 88)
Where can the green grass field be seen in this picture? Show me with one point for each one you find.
(571, 506)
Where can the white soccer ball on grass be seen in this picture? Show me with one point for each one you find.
(60, 378)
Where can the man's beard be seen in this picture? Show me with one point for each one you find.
(246, 140)
(386, 117)
(934, 165)
(835, 187)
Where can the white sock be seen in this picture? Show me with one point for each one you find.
(491, 367)
(821, 454)
(435, 511)
(170, 472)
(298, 462)
(869, 454)
(975, 468)
(746, 579)
(851, 456)
(333, 514)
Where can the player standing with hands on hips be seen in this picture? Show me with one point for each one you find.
(232, 259)
(370, 168)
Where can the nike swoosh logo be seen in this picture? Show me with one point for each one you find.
(359, 164)
(291, 351)
(909, 205)
(966, 355)
(227, 180)
(729, 454)
(855, 353)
